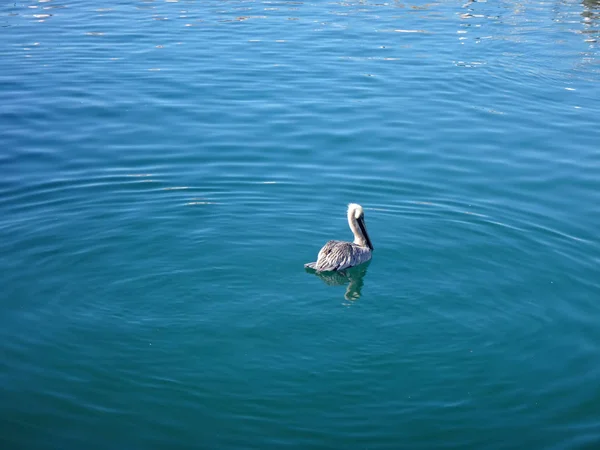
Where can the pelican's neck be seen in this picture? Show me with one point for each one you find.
(359, 237)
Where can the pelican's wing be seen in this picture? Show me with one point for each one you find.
(335, 255)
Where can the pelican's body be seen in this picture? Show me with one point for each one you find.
(339, 255)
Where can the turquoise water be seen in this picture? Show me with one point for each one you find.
(168, 167)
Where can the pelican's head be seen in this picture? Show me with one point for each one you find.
(355, 210)
(356, 215)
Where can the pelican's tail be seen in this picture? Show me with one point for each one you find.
(312, 265)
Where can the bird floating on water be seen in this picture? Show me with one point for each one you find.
(339, 255)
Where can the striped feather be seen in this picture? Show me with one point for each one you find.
(339, 255)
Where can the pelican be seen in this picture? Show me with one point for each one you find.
(339, 255)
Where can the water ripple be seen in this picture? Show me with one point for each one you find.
(169, 167)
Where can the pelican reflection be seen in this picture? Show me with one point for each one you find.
(352, 276)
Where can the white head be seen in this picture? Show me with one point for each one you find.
(356, 220)
(355, 210)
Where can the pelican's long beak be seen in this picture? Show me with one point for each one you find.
(363, 228)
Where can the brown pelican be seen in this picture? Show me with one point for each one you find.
(339, 255)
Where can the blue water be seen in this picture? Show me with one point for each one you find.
(169, 166)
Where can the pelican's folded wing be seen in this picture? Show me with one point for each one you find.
(335, 255)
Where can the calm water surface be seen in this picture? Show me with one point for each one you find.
(168, 167)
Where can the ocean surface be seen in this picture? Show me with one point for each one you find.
(167, 167)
